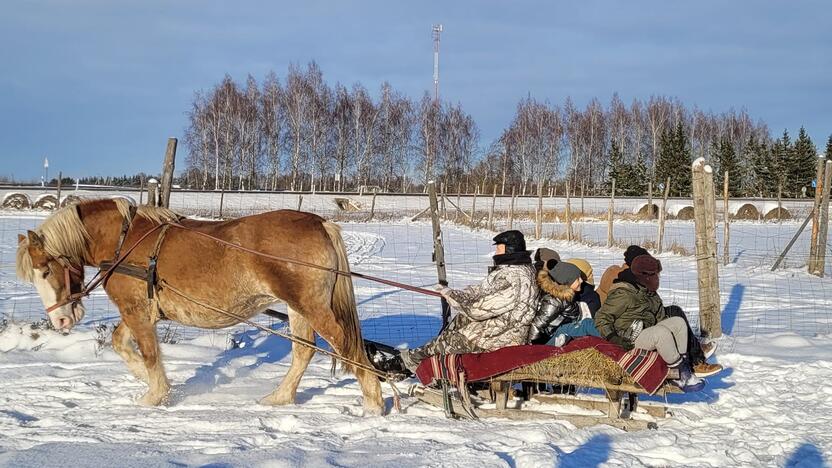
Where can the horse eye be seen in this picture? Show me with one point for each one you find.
(45, 274)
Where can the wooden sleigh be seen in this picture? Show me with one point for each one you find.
(619, 403)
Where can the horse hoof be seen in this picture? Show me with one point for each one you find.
(276, 400)
(152, 399)
(373, 411)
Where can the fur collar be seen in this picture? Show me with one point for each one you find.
(558, 291)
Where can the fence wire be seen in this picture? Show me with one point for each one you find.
(383, 240)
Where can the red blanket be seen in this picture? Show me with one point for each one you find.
(645, 367)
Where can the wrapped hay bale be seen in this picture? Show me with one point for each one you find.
(46, 201)
(16, 201)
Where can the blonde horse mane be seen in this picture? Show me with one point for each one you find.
(64, 235)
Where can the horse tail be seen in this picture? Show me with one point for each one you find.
(343, 301)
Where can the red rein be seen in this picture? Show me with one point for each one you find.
(99, 278)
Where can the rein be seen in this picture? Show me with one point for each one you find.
(387, 376)
(105, 273)
(376, 279)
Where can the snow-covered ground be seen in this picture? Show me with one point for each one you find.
(68, 400)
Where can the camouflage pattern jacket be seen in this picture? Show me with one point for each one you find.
(499, 310)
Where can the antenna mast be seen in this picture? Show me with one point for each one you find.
(437, 30)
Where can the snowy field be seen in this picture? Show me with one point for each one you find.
(68, 400)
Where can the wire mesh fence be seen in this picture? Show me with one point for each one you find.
(390, 236)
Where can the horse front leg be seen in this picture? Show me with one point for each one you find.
(143, 330)
(124, 345)
(301, 355)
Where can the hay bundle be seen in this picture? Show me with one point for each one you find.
(583, 367)
(747, 211)
(686, 213)
(346, 204)
(777, 213)
(648, 211)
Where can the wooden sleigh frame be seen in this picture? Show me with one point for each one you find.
(620, 402)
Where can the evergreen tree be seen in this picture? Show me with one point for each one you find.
(802, 164)
(726, 159)
(674, 161)
(829, 148)
(756, 154)
(780, 156)
(639, 177)
(617, 169)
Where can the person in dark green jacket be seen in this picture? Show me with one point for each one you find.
(633, 316)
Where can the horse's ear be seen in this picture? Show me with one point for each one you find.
(20, 239)
(35, 240)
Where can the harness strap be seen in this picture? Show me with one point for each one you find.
(125, 226)
(152, 275)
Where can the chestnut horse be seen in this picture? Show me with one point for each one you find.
(91, 232)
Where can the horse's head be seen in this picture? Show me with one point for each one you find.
(56, 279)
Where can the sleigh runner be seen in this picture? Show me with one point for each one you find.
(588, 362)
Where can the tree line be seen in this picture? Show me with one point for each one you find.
(300, 133)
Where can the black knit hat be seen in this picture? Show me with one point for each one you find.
(565, 273)
(513, 240)
(632, 252)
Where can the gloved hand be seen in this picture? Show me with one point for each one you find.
(635, 329)
(445, 292)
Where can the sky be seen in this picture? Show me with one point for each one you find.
(98, 86)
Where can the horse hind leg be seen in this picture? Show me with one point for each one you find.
(332, 330)
(285, 393)
(124, 345)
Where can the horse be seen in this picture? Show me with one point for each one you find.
(220, 278)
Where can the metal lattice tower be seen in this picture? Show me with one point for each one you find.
(437, 30)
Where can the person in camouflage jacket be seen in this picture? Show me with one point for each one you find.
(492, 314)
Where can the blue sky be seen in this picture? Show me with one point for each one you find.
(98, 86)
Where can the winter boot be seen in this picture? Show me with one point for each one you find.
(687, 381)
(411, 363)
(708, 349)
(390, 363)
(704, 369)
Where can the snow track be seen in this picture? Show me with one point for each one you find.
(68, 400)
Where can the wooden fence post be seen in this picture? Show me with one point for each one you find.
(650, 199)
(167, 173)
(780, 203)
(706, 258)
(568, 213)
(300, 201)
(141, 189)
(152, 185)
(58, 195)
(538, 225)
(511, 210)
(222, 200)
(820, 189)
(458, 201)
(438, 250)
(823, 236)
(662, 217)
(610, 215)
(491, 210)
(442, 200)
(726, 232)
(473, 221)
(373, 205)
